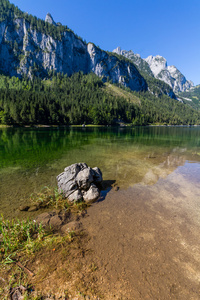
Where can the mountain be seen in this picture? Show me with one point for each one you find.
(49, 75)
(142, 65)
(169, 74)
(156, 66)
(29, 45)
(155, 86)
(50, 19)
(85, 99)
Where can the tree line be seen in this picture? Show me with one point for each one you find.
(61, 100)
(83, 99)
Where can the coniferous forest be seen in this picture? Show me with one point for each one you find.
(63, 100)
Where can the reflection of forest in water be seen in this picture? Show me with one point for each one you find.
(31, 158)
(24, 146)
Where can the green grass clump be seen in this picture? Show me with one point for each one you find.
(49, 197)
(23, 242)
(16, 235)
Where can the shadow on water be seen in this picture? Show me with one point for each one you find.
(106, 187)
(104, 194)
(106, 184)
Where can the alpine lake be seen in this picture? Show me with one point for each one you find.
(143, 233)
(31, 158)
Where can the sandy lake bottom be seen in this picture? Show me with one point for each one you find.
(146, 241)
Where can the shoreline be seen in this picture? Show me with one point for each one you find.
(98, 126)
(137, 243)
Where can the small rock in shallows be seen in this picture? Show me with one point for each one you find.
(33, 208)
(24, 208)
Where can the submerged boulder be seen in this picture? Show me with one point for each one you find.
(77, 182)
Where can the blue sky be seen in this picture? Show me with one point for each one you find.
(170, 28)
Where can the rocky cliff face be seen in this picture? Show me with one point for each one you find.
(181, 84)
(107, 65)
(169, 74)
(50, 19)
(136, 59)
(156, 66)
(155, 86)
(24, 50)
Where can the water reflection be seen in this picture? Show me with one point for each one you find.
(31, 158)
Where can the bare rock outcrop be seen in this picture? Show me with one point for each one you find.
(50, 19)
(28, 46)
(79, 182)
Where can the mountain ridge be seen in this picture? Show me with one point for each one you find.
(156, 66)
(29, 45)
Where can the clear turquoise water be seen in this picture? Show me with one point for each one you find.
(31, 158)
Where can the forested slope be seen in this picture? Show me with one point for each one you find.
(191, 97)
(85, 99)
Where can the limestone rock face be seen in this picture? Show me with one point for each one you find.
(75, 196)
(50, 19)
(156, 63)
(73, 170)
(109, 66)
(26, 47)
(156, 66)
(181, 84)
(97, 175)
(136, 59)
(77, 182)
(169, 74)
(67, 183)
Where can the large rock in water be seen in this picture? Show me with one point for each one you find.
(78, 182)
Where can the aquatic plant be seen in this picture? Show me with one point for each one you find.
(48, 197)
(51, 197)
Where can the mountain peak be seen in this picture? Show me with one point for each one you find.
(118, 50)
(169, 74)
(136, 59)
(156, 66)
(125, 53)
(50, 19)
(157, 63)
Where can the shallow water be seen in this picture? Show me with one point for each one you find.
(145, 239)
(32, 158)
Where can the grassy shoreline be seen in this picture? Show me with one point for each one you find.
(30, 254)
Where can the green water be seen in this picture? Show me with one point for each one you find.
(32, 158)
